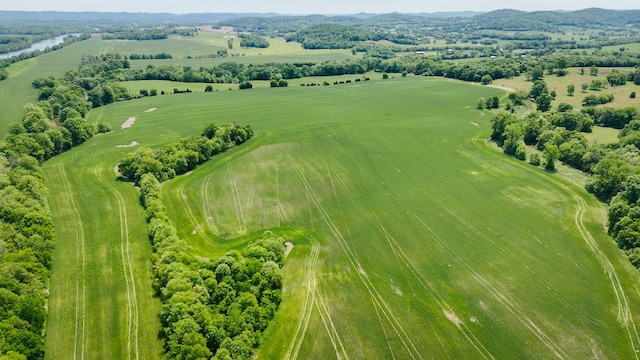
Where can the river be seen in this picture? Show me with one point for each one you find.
(40, 45)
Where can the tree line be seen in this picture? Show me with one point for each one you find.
(210, 308)
(253, 40)
(185, 154)
(27, 237)
(99, 75)
(145, 33)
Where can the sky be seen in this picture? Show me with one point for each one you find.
(305, 6)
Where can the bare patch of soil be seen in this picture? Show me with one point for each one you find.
(133, 143)
(288, 246)
(129, 123)
(150, 110)
(396, 290)
(453, 318)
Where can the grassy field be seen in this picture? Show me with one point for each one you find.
(413, 237)
(602, 135)
(101, 302)
(17, 90)
(559, 84)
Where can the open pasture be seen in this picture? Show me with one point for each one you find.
(206, 43)
(559, 84)
(416, 238)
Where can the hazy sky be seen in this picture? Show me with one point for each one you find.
(304, 6)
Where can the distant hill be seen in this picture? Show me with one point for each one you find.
(539, 20)
(449, 14)
(504, 19)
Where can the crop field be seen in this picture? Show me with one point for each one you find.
(208, 43)
(413, 237)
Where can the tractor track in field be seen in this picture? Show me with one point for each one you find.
(624, 316)
(127, 269)
(397, 250)
(274, 186)
(375, 296)
(402, 256)
(506, 300)
(508, 254)
(206, 206)
(236, 199)
(186, 208)
(81, 295)
(330, 327)
(309, 301)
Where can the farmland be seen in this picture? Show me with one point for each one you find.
(413, 235)
(403, 212)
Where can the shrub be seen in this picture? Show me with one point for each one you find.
(534, 159)
(245, 85)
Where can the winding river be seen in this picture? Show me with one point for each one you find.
(40, 45)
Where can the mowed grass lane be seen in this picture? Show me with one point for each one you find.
(417, 240)
(433, 244)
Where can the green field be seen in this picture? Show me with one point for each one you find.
(17, 90)
(414, 237)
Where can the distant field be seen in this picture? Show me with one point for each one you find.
(559, 84)
(412, 235)
(634, 47)
(208, 43)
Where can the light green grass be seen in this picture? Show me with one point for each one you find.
(634, 47)
(426, 241)
(559, 84)
(602, 135)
